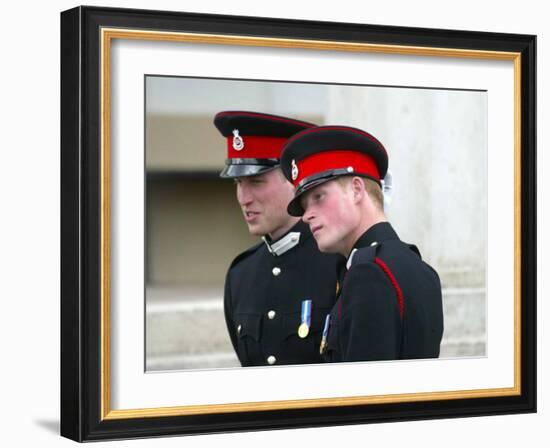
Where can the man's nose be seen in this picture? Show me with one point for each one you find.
(307, 216)
(243, 195)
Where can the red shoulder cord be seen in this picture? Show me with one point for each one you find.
(394, 283)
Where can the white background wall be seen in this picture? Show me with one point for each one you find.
(29, 327)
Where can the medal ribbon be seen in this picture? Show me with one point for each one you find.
(306, 312)
(323, 346)
(325, 328)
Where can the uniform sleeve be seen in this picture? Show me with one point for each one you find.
(370, 320)
(228, 312)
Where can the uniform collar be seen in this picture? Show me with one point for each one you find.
(377, 233)
(287, 241)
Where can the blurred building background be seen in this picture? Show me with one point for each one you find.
(436, 140)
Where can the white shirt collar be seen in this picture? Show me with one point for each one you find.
(350, 259)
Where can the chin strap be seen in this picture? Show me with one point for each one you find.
(387, 189)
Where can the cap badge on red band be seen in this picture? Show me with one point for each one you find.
(238, 142)
(294, 170)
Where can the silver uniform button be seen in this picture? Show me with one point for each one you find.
(271, 360)
(276, 271)
(271, 314)
(239, 328)
(374, 243)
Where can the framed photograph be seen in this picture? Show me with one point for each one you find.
(149, 229)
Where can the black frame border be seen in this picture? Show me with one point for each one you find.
(81, 223)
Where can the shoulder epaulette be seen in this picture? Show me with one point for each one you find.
(245, 254)
(364, 255)
(368, 254)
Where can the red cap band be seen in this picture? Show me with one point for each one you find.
(336, 159)
(256, 147)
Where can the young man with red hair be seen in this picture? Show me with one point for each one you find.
(390, 305)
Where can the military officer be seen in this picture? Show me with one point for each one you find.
(389, 306)
(278, 292)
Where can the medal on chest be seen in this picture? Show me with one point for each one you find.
(303, 329)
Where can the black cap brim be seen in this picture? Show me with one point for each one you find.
(294, 207)
(232, 171)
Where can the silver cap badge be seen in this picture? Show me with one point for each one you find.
(238, 142)
(294, 170)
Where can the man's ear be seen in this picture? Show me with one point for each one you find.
(358, 189)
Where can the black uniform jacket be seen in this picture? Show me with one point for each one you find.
(390, 303)
(263, 300)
